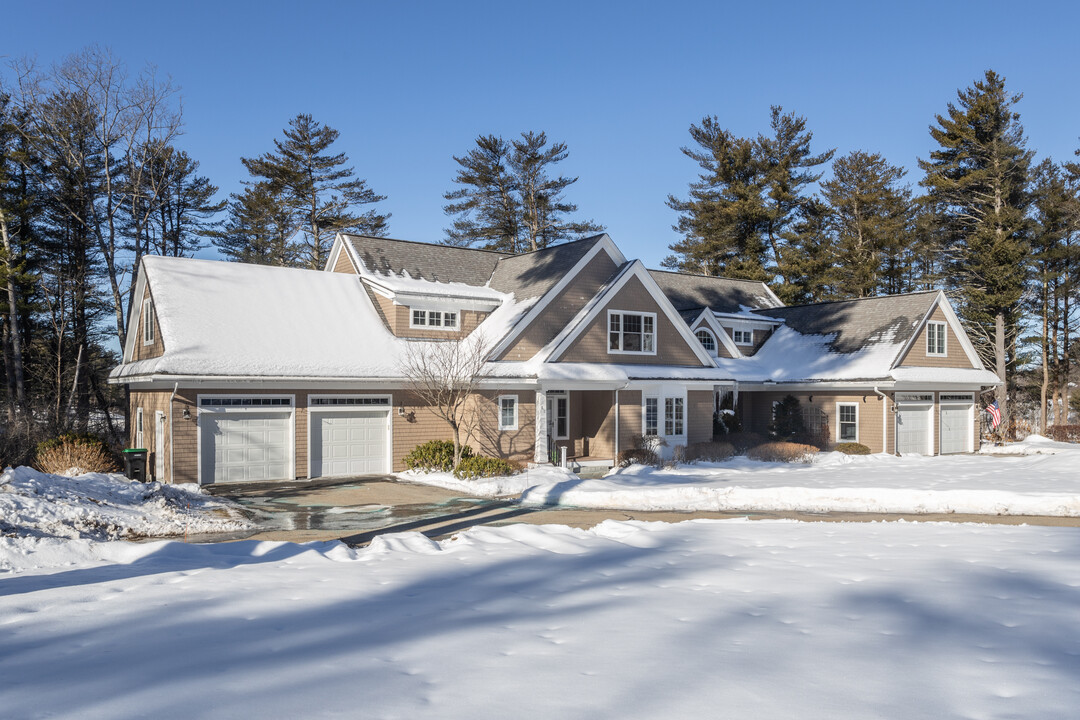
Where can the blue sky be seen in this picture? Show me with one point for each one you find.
(411, 84)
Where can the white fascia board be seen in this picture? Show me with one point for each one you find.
(638, 270)
(823, 386)
(433, 300)
(906, 347)
(605, 244)
(779, 302)
(959, 332)
(135, 314)
(708, 317)
(335, 250)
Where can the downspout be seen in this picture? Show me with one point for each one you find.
(884, 420)
(170, 416)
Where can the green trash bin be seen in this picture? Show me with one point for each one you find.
(135, 464)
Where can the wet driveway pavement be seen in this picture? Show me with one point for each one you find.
(357, 509)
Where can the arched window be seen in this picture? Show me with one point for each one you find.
(707, 340)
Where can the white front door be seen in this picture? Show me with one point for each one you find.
(956, 431)
(245, 446)
(159, 446)
(913, 429)
(558, 422)
(353, 442)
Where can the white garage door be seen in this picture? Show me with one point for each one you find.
(348, 443)
(245, 446)
(956, 431)
(913, 429)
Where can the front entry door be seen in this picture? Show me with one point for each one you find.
(159, 446)
(557, 423)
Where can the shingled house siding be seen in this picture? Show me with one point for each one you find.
(417, 426)
(592, 344)
(151, 402)
(758, 408)
(629, 418)
(155, 349)
(344, 264)
(956, 357)
(699, 416)
(562, 308)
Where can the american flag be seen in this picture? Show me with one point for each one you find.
(995, 414)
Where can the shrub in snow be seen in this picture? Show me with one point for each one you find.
(435, 455)
(712, 451)
(1064, 433)
(72, 454)
(644, 451)
(853, 448)
(783, 452)
(744, 441)
(483, 467)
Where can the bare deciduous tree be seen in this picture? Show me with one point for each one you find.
(445, 375)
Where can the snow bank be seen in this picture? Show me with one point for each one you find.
(106, 506)
(1031, 445)
(970, 484)
(491, 487)
(637, 620)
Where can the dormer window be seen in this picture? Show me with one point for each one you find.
(148, 322)
(631, 332)
(707, 341)
(935, 339)
(743, 337)
(434, 319)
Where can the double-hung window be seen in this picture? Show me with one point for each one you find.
(508, 412)
(935, 338)
(148, 322)
(436, 319)
(652, 416)
(673, 416)
(743, 337)
(847, 422)
(630, 332)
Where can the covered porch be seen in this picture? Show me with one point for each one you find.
(587, 427)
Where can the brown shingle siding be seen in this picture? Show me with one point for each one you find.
(591, 345)
(955, 356)
(142, 350)
(562, 308)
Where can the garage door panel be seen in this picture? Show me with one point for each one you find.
(349, 443)
(956, 428)
(245, 446)
(913, 429)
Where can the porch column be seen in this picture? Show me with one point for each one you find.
(540, 455)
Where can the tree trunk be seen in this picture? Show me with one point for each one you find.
(13, 320)
(1045, 358)
(1002, 392)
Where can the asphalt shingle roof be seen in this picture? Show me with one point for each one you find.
(860, 322)
(726, 295)
(438, 263)
(533, 274)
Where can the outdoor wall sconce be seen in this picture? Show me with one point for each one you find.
(811, 398)
(187, 414)
(401, 411)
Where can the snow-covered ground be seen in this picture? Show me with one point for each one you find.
(765, 619)
(106, 506)
(1041, 477)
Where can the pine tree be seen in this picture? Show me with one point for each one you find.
(722, 220)
(742, 213)
(870, 215)
(979, 178)
(186, 212)
(508, 201)
(787, 172)
(812, 269)
(260, 229)
(321, 195)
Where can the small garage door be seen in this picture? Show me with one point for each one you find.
(349, 442)
(246, 446)
(913, 429)
(956, 431)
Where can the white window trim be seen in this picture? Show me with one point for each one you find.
(750, 333)
(839, 431)
(514, 398)
(944, 338)
(642, 314)
(675, 401)
(444, 327)
(644, 416)
(716, 346)
(139, 438)
(149, 332)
